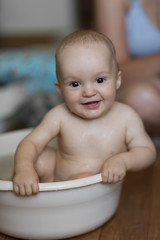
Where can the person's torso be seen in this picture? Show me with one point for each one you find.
(143, 37)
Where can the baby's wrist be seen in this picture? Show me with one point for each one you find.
(24, 167)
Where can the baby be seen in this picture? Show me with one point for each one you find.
(95, 133)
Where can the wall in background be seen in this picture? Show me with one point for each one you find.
(19, 16)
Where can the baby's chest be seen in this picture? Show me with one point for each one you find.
(95, 142)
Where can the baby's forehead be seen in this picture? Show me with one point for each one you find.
(78, 46)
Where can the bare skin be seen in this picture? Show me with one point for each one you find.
(141, 76)
(95, 133)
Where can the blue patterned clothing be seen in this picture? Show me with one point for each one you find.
(35, 70)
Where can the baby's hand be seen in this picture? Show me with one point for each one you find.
(114, 170)
(26, 183)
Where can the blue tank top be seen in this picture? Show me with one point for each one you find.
(143, 37)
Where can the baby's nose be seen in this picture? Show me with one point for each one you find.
(89, 91)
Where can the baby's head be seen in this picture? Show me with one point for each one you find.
(88, 73)
(86, 37)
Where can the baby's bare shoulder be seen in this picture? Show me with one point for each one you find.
(125, 111)
(136, 134)
(54, 115)
(129, 117)
(59, 110)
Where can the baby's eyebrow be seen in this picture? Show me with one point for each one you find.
(103, 73)
(71, 78)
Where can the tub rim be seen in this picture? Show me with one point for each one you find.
(56, 186)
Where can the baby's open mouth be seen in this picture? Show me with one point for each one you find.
(91, 105)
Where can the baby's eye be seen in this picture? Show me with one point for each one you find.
(100, 80)
(75, 84)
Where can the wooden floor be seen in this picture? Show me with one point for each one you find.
(138, 215)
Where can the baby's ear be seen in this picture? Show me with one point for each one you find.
(58, 87)
(118, 81)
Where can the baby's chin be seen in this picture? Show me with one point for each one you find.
(88, 116)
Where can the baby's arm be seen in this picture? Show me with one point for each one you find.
(25, 179)
(141, 152)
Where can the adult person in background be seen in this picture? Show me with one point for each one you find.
(134, 28)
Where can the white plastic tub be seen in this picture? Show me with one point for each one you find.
(60, 210)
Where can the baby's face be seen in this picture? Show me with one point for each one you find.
(88, 79)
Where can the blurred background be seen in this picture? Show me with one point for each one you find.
(29, 33)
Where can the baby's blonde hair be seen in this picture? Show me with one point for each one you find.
(85, 37)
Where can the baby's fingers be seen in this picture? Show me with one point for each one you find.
(35, 188)
(29, 190)
(105, 175)
(19, 190)
(118, 176)
(16, 188)
(26, 190)
(22, 190)
(108, 175)
(111, 176)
